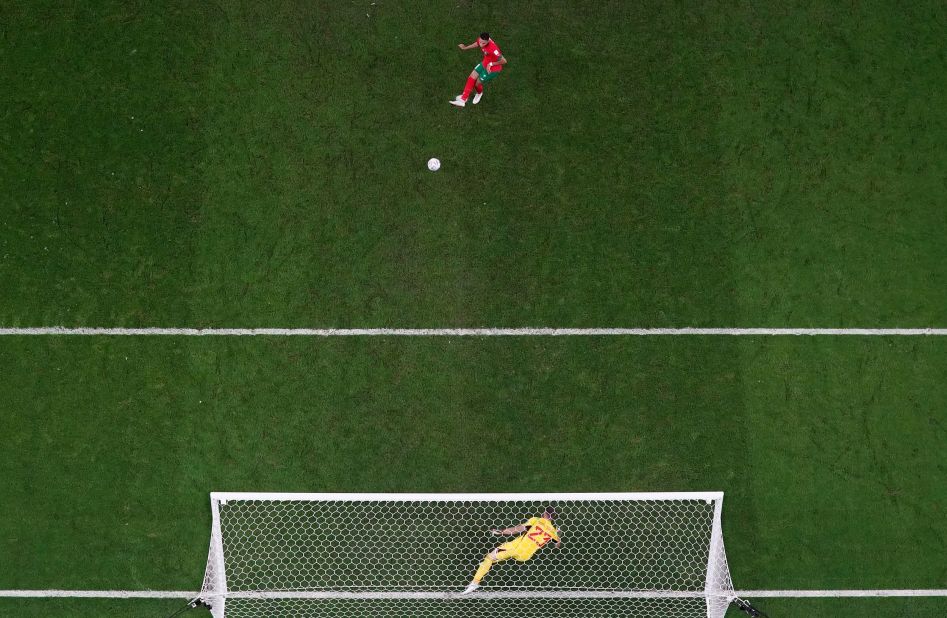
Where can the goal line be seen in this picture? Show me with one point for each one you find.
(183, 594)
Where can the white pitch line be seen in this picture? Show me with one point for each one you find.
(97, 594)
(749, 594)
(488, 594)
(472, 332)
(808, 594)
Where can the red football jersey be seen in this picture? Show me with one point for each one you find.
(491, 53)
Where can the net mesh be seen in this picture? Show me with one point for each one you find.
(352, 558)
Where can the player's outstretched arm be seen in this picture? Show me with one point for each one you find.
(466, 47)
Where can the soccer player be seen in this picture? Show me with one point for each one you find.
(484, 72)
(538, 531)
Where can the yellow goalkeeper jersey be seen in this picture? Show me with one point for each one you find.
(539, 532)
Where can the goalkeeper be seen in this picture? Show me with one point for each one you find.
(538, 531)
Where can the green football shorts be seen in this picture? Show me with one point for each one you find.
(485, 75)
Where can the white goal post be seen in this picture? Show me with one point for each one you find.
(411, 555)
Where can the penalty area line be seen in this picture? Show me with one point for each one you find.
(184, 595)
(470, 332)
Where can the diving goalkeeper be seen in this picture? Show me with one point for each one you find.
(538, 531)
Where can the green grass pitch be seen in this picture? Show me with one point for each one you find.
(261, 164)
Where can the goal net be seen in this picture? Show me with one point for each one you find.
(406, 555)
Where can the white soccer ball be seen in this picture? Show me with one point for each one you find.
(433, 164)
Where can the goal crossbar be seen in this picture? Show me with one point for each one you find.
(225, 496)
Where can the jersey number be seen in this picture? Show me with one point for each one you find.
(535, 535)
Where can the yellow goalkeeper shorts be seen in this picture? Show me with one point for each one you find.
(516, 550)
